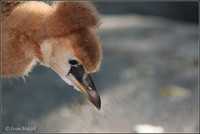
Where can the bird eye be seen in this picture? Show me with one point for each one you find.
(73, 62)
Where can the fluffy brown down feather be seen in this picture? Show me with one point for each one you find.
(26, 26)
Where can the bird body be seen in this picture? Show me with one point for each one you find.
(21, 39)
(8, 6)
(53, 36)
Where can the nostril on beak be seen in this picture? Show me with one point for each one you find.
(84, 83)
(90, 89)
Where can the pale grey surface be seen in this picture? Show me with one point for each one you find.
(142, 55)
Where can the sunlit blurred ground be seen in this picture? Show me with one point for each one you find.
(148, 82)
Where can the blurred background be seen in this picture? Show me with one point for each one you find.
(148, 81)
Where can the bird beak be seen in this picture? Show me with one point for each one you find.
(83, 82)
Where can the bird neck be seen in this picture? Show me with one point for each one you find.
(38, 53)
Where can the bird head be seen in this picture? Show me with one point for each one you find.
(72, 48)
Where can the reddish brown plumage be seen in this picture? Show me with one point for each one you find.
(70, 16)
(87, 48)
(7, 8)
(29, 24)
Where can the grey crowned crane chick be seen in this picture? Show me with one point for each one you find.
(61, 37)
